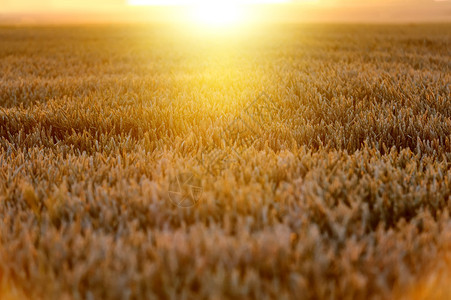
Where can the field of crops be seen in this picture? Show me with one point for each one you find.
(319, 157)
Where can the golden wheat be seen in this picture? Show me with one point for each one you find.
(345, 194)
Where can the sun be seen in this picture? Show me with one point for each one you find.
(217, 13)
(210, 13)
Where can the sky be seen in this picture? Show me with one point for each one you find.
(291, 11)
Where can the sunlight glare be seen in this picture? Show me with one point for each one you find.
(212, 13)
(217, 13)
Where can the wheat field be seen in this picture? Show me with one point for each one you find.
(342, 190)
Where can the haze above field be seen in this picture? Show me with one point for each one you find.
(31, 11)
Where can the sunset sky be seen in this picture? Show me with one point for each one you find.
(277, 10)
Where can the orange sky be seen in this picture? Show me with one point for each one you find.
(313, 10)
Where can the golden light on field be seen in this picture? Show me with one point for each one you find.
(211, 156)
